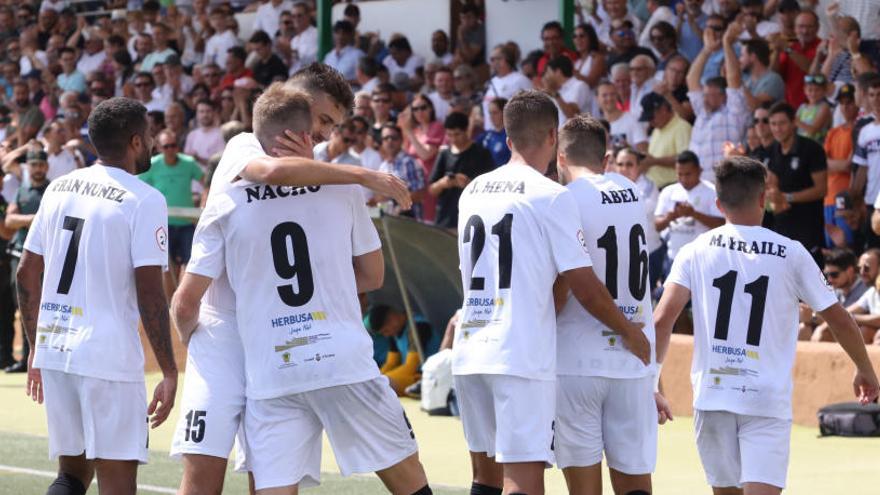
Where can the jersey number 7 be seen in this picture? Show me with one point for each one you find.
(75, 226)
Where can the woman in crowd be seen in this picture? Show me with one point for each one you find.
(495, 140)
(590, 65)
(422, 134)
(814, 115)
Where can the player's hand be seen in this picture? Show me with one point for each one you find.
(866, 387)
(664, 413)
(637, 343)
(292, 143)
(163, 401)
(34, 386)
(388, 185)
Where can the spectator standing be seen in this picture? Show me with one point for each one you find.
(686, 208)
(673, 87)
(660, 12)
(458, 164)
(866, 156)
(761, 124)
(590, 64)
(367, 156)
(268, 14)
(712, 35)
(670, 137)
(627, 164)
(422, 136)
(161, 49)
(813, 117)
(218, 45)
(624, 47)
(611, 14)
(304, 44)
(754, 25)
(626, 130)
(797, 183)
(144, 85)
(267, 66)
(506, 82)
(553, 38)
(404, 167)
(367, 74)
(172, 173)
(380, 103)
(7, 296)
(793, 59)
(690, 24)
(70, 79)
(344, 56)
(444, 92)
(719, 105)
(177, 83)
(207, 138)
(840, 57)
(19, 217)
(440, 48)
(664, 40)
(235, 69)
(470, 38)
(401, 58)
(620, 76)
(761, 84)
(93, 55)
(642, 70)
(61, 158)
(495, 139)
(571, 95)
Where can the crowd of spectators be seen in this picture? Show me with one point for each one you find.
(679, 83)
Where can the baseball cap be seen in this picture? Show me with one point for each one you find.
(846, 91)
(650, 102)
(842, 202)
(37, 156)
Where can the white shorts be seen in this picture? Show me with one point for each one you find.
(105, 419)
(737, 449)
(508, 417)
(212, 407)
(365, 423)
(619, 416)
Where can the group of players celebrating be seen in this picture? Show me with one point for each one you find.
(556, 354)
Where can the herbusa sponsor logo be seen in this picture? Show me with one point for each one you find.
(283, 321)
(734, 351)
(632, 311)
(65, 309)
(485, 301)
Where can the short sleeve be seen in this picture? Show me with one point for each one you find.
(34, 240)
(864, 301)
(736, 102)
(188, 145)
(436, 134)
(664, 206)
(149, 232)
(637, 134)
(364, 238)
(808, 281)
(208, 247)
(196, 171)
(439, 169)
(860, 153)
(818, 161)
(680, 273)
(563, 231)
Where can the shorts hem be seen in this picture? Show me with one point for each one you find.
(764, 481)
(633, 470)
(575, 463)
(531, 457)
(179, 453)
(717, 484)
(379, 465)
(305, 481)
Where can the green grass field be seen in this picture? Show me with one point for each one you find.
(818, 466)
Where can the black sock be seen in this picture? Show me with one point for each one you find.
(478, 489)
(66, 484)
(638, 492)
(425, 490)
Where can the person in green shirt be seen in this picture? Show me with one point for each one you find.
(172, 173)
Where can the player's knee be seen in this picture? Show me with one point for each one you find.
(66, 484)
(480, 489)
(425, 490)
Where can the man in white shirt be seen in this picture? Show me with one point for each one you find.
(401, 58)
(518, 229)
(686, 208)
(221, 41)
(92, 265)
(62, 159)
(93, 54)
(367, 74)
(336, 149)
(144, 87)
(605, 397)
(161, 50)
(320, 364)
(506, 82)
(642, 70)
(440, 48)
(216, 383)
(268, 14)
(625, 127)
(344, 56)
(304, 44)
(206, 140)
(745, 282)
(442, 96)
(572, 96)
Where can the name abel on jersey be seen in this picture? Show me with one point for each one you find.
(86, 188)
(619, 196)
(262, 192)
(753, 247)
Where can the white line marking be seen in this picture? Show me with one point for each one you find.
(49, 474)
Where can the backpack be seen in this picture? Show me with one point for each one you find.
(850, 419)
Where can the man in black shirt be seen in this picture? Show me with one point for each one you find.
(7, 298)
(269, 66)
(456, 166)
(798, 182)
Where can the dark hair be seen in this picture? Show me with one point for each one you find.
(865, 79)
(582, 140)
(739, 181)
(205, 101)
(261, 37)
(688, 157)
(874, 83)
(66, 49)
(562, 63)
(321, 78)
(759, 48)
(665, 29)
(343, 26)
(113, 123)
(553, 25)
(151, 5)
(500, 102)
(351, 10)
(591, 36)
(508, 53)
(361, 120)
(148, 75)
(456, 120)
(116, 40)
(376, 316)
(782, 107)
(751, 3)
(383, 89)
(400, 43)
(528, 117)
(423, 97)
(368, 66)
(393, 127)
(238, 52)
(841, 258)
(469, 8)
(717, 82)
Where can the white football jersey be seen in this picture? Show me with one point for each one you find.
(516, 231)
(685, 229)
(288, 254)
(94, 227)
(745, 284)
(240, 150)
(612, 217)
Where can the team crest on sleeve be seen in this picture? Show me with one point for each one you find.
(583, 240)
(162, 238)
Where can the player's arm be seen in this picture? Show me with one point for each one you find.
(560, 293)
(857, 185)
(813, 193)
(847, 333)
(186, 302)
(674, 299)
(369, 271)
(15, 220)
(594, 297)
(663, 221)
(28, 287)
(153, 308)
(708, 220)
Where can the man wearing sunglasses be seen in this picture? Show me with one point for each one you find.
(624, 48)
(840, 271)
(336, 149)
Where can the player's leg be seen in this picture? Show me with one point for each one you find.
(630, 430)
(577, 439)
(202, 474)
(377, 438)
(765, 444)
(75, 474)
(283, 444)
(524, 413)
(66, 438)
(477, 409)
(116, 477)
(719, 449)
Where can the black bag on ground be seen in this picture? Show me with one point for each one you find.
(850, 419)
